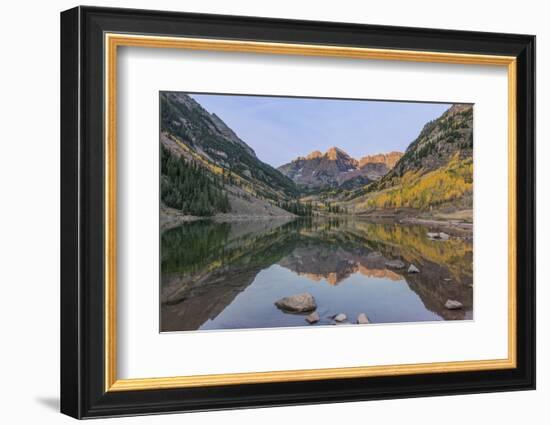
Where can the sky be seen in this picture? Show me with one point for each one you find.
(279, 129)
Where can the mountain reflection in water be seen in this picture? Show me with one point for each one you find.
(228, 275)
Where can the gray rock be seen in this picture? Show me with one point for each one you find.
(362, 319)
(374, 254)
(447, 279)
(395, 264)
(443, 236)
(433, 235)
(413, 269)
(453, 305)
(297, 303)
(313, 318)
(341, 317)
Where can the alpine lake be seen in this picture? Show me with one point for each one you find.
(229, 275)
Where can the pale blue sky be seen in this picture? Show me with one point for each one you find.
(281, 128)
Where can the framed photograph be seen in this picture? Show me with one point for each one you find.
(261, 212)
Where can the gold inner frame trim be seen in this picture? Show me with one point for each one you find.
(113, 41)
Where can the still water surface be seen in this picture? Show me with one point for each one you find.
(229, 275)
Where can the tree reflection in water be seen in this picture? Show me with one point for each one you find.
(228, 275)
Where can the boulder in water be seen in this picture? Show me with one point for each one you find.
(395, 264)
(341, 317)
(313, 318)
(453, 305)
(413, 269)
(297, 303)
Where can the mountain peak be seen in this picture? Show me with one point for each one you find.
(458, 107)
(389, 159)
(314, 155)
(336, 167)
(334, 152)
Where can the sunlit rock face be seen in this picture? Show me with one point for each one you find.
(335, 167)
(388, 159)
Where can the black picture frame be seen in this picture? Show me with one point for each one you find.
(83, 392)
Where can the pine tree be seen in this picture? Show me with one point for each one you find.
(190, 188)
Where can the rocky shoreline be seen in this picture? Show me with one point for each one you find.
(170, 218)
(452, 227)
(457, 224)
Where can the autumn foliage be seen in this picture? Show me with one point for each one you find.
(422, 191)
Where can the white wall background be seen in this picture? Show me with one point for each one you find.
(29, 225)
